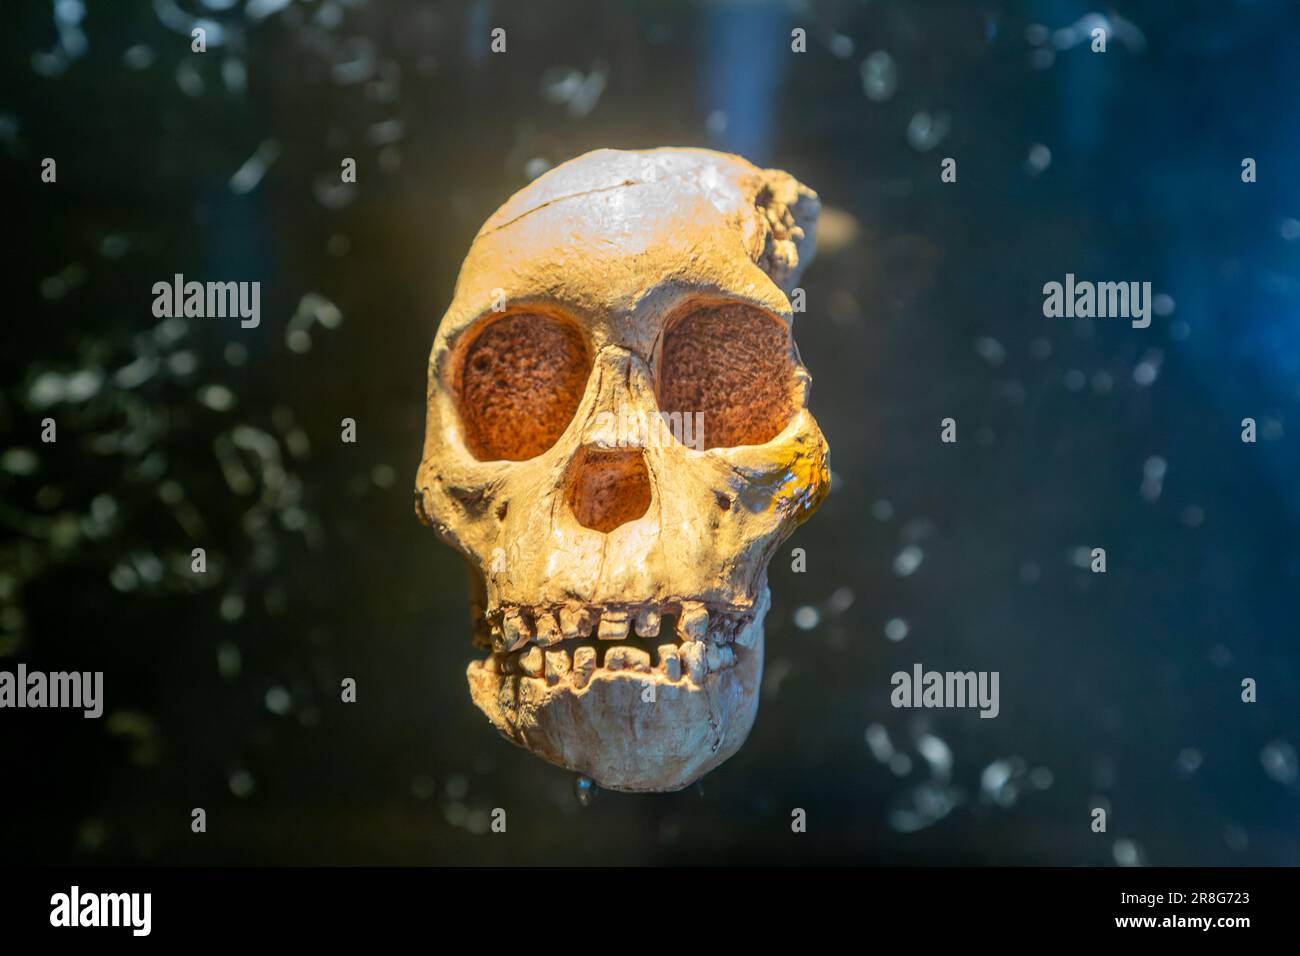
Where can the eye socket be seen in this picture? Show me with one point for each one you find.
(733, 364)
(519, 382)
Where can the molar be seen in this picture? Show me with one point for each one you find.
(670, 662)
(558, 666)
(693, 623)
(531, 661)
(514, 629)
(548, 630)
(636, 659)
(584, 663)
(692, 655)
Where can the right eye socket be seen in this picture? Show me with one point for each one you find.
(520, 380)
(732, 364)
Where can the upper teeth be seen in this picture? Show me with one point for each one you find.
(613, 625)
(693, 623)
(647, 623)
(514, 627)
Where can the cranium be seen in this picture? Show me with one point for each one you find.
(618, 550)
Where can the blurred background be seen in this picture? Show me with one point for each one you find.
(1120, 691)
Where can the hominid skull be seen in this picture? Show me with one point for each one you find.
(618, 440)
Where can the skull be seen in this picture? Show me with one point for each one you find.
(617, 441)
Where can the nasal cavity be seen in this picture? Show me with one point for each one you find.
(608, 488)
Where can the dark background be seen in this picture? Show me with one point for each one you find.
(1119, 691)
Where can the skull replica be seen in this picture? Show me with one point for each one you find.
(618, 440)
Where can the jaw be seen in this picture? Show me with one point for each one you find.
(626, 724)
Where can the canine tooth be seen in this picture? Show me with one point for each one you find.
(584, 662)
(713, 656)
(613, 626)
(557, 666)
(514, 630)
(575, 622)
(670, 662)
(647, 623)
(568, 622)
(548, 631)
(692, 655)
(531, 661)
(693, 623)
(636, 659)
(616, 658)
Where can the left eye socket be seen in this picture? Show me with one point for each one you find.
(520, 380)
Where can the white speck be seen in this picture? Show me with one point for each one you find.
(228, 660)
(938, 755)
(1189, 760)
(1127, 853)
(1279, 760)
(241, 783)
(908, 560)
(217, 397)
(841, 46)
(261, 9)
(926, 131)
(247, 177)
(895, 629)
(990, 349)
(806, 618)
(878, 740)
(879, 76)
(457, 786)
(19, 461)
(232, 607)
(278, 701)
(1040, 157)
(138, 57)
